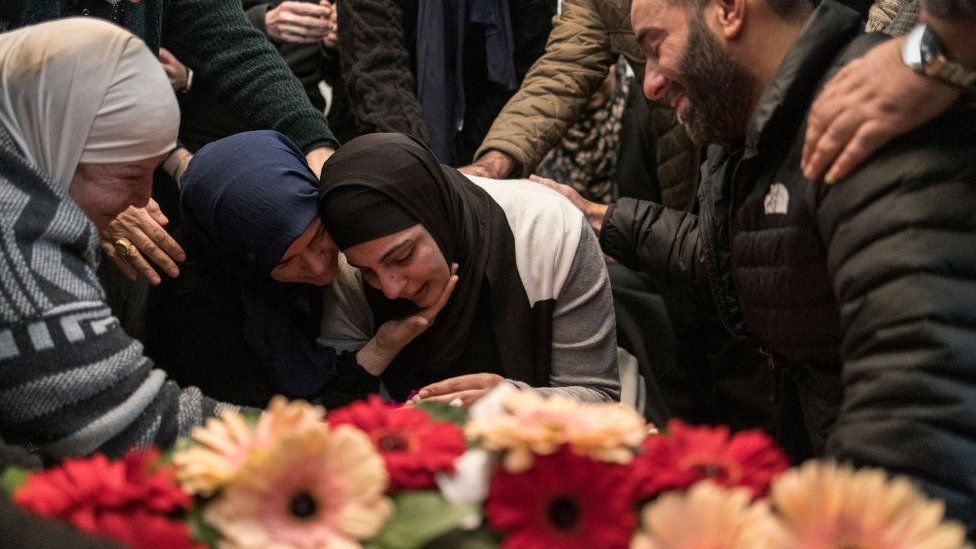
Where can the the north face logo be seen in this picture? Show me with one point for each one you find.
(777, 199)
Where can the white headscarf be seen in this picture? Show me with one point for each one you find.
(83, 90)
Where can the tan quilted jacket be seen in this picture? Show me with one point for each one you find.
(586, 39)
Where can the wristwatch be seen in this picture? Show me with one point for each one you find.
(923, 54)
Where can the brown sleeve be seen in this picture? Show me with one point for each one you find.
(577, 58)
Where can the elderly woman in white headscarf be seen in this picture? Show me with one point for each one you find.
(86, 114)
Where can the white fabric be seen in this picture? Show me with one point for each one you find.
(83, 90)
(546, 227)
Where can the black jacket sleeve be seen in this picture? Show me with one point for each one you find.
(662, 242)
(901, 248)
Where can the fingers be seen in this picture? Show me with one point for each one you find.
(149, 239)
(166, 57)
(457, 384)
(833, 140)
(463, 399)
(869, 138)
(109, 251)
(156, 213)
(307, 9)
(824, 138)
(430, 313)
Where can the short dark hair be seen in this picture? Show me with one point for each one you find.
(789, 10)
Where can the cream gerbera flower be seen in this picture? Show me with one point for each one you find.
(217, 451)
(284, 417)
(708, 517)
(531, 424)
(319, 488)
(825, 505)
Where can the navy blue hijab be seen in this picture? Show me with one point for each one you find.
(245, 199)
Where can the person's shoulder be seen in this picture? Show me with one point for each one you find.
(546, 228)
(528, 203)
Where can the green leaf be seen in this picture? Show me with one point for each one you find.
(460, 539)
(199, 529)
(12, 478)
(419, 517)
(441, 411)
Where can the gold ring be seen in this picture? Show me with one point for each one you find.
(124, 247)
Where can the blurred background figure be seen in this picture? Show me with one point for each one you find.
(440, 71)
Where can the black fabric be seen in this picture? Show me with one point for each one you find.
(366, 214)
(471, 230)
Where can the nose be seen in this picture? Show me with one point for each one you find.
(392, 284)
(316, 263)
(655, 83)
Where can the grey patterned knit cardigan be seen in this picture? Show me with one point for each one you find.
(71, 381)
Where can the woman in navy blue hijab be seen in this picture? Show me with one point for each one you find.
(241, 320)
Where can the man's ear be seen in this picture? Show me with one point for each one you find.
(729, 17)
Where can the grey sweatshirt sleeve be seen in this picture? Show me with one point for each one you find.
(584, 338)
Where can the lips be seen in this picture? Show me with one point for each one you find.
(415, 295)
(680, 104)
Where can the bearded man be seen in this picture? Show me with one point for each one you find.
(862, 294)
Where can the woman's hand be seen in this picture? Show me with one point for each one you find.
(139, 231)
(461, 390)
(394, 335)
(298, 22)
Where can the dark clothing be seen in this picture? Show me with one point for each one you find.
(863, 293)
(206, 118)
(378, 48)
(227, 55)
(198, 339)
(951, 9)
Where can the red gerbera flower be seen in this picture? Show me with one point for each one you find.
(687, 454)
(565, 500)
(413, 445)
(125, 499)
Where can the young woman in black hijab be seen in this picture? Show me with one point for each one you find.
(532, 304)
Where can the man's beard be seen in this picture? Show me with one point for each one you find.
(719, 90)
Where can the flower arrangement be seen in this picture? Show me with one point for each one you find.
(516, 471)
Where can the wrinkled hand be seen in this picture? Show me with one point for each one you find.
(593, 211)
(493, 164)
(396, 334)
(174, 69)
(317, 157)
(867, 103)
(331, 40)
(298, 22)
(461, 390)
(143, 227)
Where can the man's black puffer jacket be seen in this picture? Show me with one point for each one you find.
(863, 293)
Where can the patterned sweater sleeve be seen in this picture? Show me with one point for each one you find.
(71, 381)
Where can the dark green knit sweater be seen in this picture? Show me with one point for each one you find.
(227, 54)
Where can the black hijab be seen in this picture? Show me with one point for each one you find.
(379, 184)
